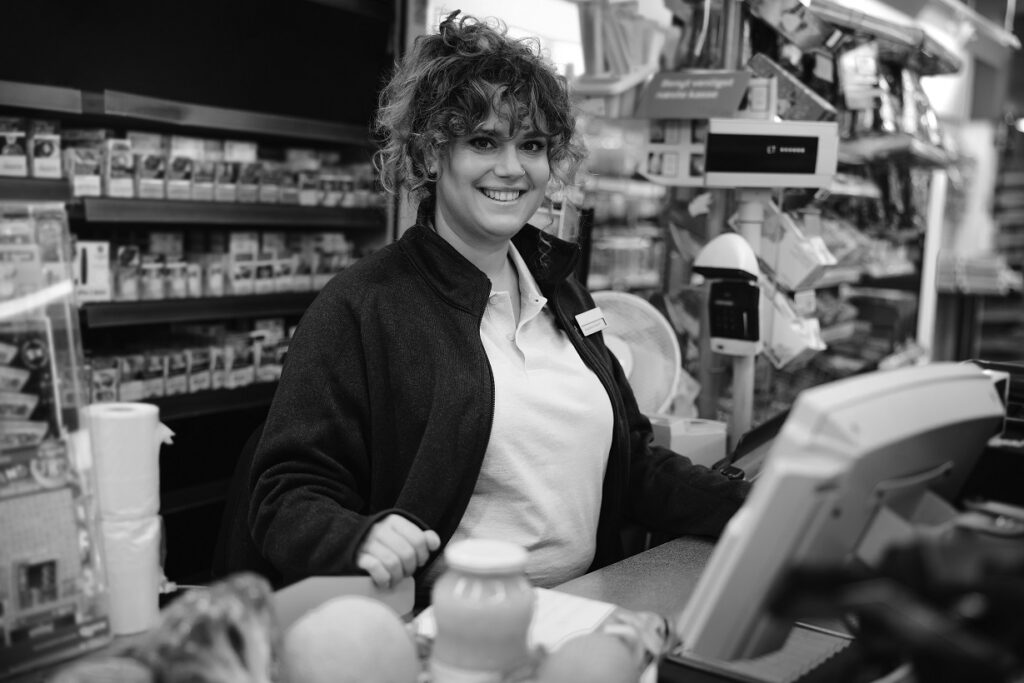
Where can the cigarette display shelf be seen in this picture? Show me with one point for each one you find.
(215, 401)
(164, 211)
(112, 314)
(34, 190)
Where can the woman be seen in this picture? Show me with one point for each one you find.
(442, 387)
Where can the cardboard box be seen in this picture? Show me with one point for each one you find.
(181, 161)
(44, 149)
(92, 271)
(199, 378)
(118, 168)
(13, 147)
(150, 151)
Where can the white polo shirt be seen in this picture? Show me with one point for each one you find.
(541, 480)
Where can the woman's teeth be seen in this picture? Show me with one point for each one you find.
(502, 195)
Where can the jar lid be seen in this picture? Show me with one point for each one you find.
(485, 556)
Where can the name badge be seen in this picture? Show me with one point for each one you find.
(591, 321)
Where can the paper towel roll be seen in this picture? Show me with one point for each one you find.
(132, 552)
(126, 440)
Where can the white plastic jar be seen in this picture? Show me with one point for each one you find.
(483, 605)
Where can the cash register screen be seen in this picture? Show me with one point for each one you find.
(857, 464)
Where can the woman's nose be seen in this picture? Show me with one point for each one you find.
(509, 164)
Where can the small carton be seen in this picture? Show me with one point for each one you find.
(241, 361)
(289, 179)
(225, 181)
(242, 273)
(193, 279)
(218, 366)
(150, 151)
(103, 371)
(131, 377)
(181, 161)
(271, 175)
(796, 100)
(94, 280)
(246, 169)
(118, 168)
(215, 280)
(198, 368)
(153, 278)
(204, 176)
(177, 372)
(176, 274)
(44, 149)
(264, 281)
(13, 147)
(154, 374)
(127, 273)
(83, 160)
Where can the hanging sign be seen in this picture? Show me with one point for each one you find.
(693, 94)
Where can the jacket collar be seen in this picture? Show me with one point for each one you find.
(464, 285)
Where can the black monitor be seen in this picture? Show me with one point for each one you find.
(858, 464)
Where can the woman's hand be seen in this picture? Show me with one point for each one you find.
(394, 549)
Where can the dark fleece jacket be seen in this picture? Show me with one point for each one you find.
(385, 405)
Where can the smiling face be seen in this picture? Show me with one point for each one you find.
(490, 183)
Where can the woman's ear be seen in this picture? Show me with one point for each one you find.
(432, 165)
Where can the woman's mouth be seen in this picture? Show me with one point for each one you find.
(502, 195)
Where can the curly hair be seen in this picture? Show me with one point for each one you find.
(450, 82)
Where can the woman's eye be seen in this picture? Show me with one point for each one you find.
(535, 145)
(481, 143)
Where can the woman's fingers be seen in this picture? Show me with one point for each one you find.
(394, 548)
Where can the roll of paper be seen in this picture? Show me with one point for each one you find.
(134, 576)
(126, 439)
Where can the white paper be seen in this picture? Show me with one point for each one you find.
(132, 552)
(557, 617)
(126, 439)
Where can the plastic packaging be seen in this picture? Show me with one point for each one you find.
(483, 605)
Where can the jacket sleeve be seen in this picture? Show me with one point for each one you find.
(308, 512)
(667, 492)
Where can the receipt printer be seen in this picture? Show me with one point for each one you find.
(729, 264)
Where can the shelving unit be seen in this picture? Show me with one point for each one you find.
(283, 79)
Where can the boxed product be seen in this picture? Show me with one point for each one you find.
(225, 181)
(13, 147)
(264, 281)
(193, 279)
(153, 281)
(150, 151)
(215, 275)
(118, 168)
(242, 273)
(673, 152)
(177, 372)
(795, 21)
(794, 258)
(131, 377)
(271, 175)
(796, 100)
(104, 371)
(83, 160)
(198, 368)
(289, 181)
(218, 366)
(44, 149)
(270, 347)
(240, 360)
(176, 274)
(182, 155)
(154, 374)
(94, 280)
(127, 273)
(204, 175)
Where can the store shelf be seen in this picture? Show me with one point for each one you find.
(109, 210)
(34, 189)
(900, 39)
(890, 147)
(42, 97)
(178, 113)
(184, 406)
(129, 313)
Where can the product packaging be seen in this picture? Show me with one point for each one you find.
(13, 147)
(204, 175)
(181, 161)
(150, 151)
(44, 149)
(796, 101)
(83, 160)
(118, 168)
(198, 358)
(128, 273)
(94, 280)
